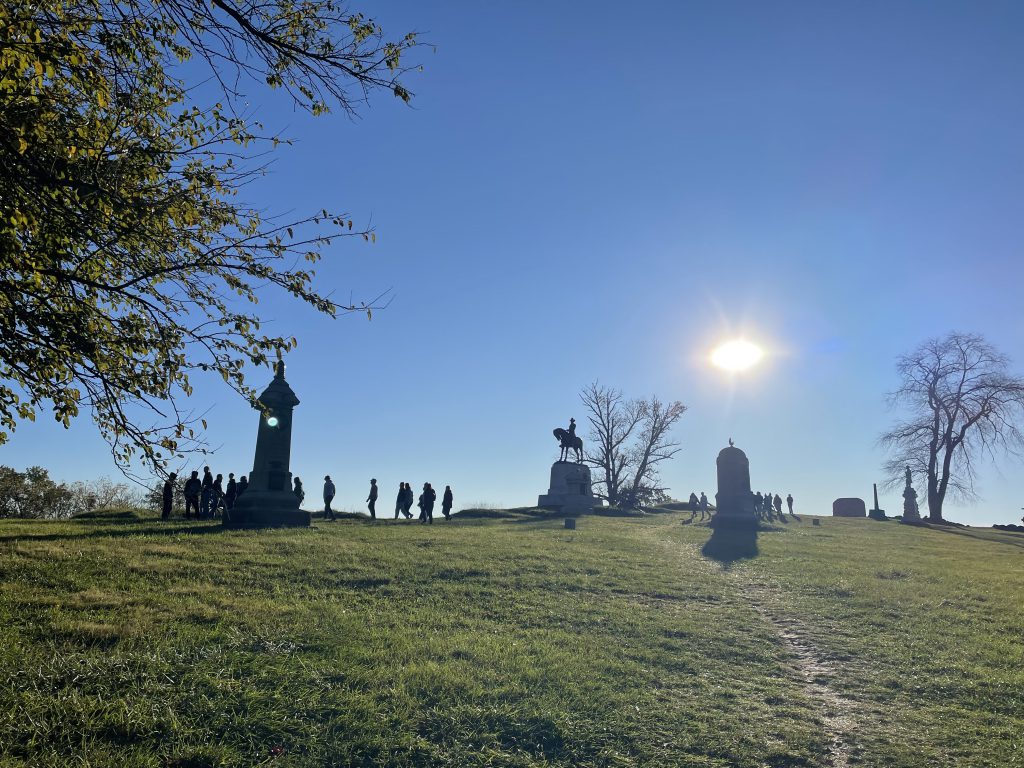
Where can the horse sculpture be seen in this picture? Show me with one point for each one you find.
(573, 443)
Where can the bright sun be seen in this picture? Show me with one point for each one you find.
(736, 355)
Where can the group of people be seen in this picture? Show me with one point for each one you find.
(765, 502)
(763, 505)
(403, 502)
(204, 498)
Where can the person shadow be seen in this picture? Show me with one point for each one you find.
(728, 544)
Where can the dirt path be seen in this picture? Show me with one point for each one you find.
(811, 666)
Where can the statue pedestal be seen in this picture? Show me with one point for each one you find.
(570, 490)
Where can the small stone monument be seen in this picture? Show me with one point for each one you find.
(849, 507)
(734, 501)
(269, 499)
(875, 513)
(569, 491)
(911, 514)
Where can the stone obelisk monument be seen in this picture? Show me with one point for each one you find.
(734, 501)
(269, 499)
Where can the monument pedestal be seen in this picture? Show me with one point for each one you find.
(569, 491)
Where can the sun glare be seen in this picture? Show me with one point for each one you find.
(736, 355)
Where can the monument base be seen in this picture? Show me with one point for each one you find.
(734, 510)
(877, 514)
(569, 491)
(268, 509)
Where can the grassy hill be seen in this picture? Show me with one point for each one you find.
(509, 641)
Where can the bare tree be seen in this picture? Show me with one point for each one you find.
(628, 440)
(963, 407)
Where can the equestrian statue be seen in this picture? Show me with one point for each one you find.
(569, 442)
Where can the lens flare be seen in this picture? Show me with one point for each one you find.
(736, 355)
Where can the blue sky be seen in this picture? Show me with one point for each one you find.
(603, 192)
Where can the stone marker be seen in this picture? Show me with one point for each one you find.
(849, 508)
(269, 499)
(570, 490)
(570, 523)
(911, 514)
(875, 513)
(816, 521)
(734, 501)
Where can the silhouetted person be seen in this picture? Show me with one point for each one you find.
(407, 504)
(168, 499)
(778, 505)
(789, 502)
(703, 505)
(231, 492)
(427, 499)
(446, 502)
(328, 498)
(192, 491)
(572, 430)
(372, 498)
(298, 490)
(400, 500)
(694, 503)
(217, 495)
(758, 503)
(206, 494)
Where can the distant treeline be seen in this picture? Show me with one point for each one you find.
(33, 494)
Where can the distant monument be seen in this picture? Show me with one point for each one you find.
(570, 490)
(269, 499)
(734, 501)
(851, 507)
(911, 514)
(875, 513)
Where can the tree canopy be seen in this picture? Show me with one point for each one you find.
(128, 260)
(628, 440)
(962, 406)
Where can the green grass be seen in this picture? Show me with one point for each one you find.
(506, 640)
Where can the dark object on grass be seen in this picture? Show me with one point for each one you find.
(570, 523)
(1009, 527)
(815, 522)
(851, 507)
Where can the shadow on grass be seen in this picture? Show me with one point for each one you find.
(1010, 538)
(727, 545)
(115, 530)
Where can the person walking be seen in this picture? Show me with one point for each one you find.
(789, 502)
(778, 505)
(400, 500)
(168, 498)
(758, 503)
(446, 502)
(372, 498)
(243, 483)
(299, 491)
(427, 499)
(407, 504)
(703, 505)
(193, 488)
(694, 503)
(328, 498)
(206, 494)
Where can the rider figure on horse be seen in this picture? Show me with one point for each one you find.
(572, 431)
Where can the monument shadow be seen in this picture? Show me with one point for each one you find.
(731, 543)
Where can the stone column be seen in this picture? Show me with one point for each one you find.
(269, 500)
